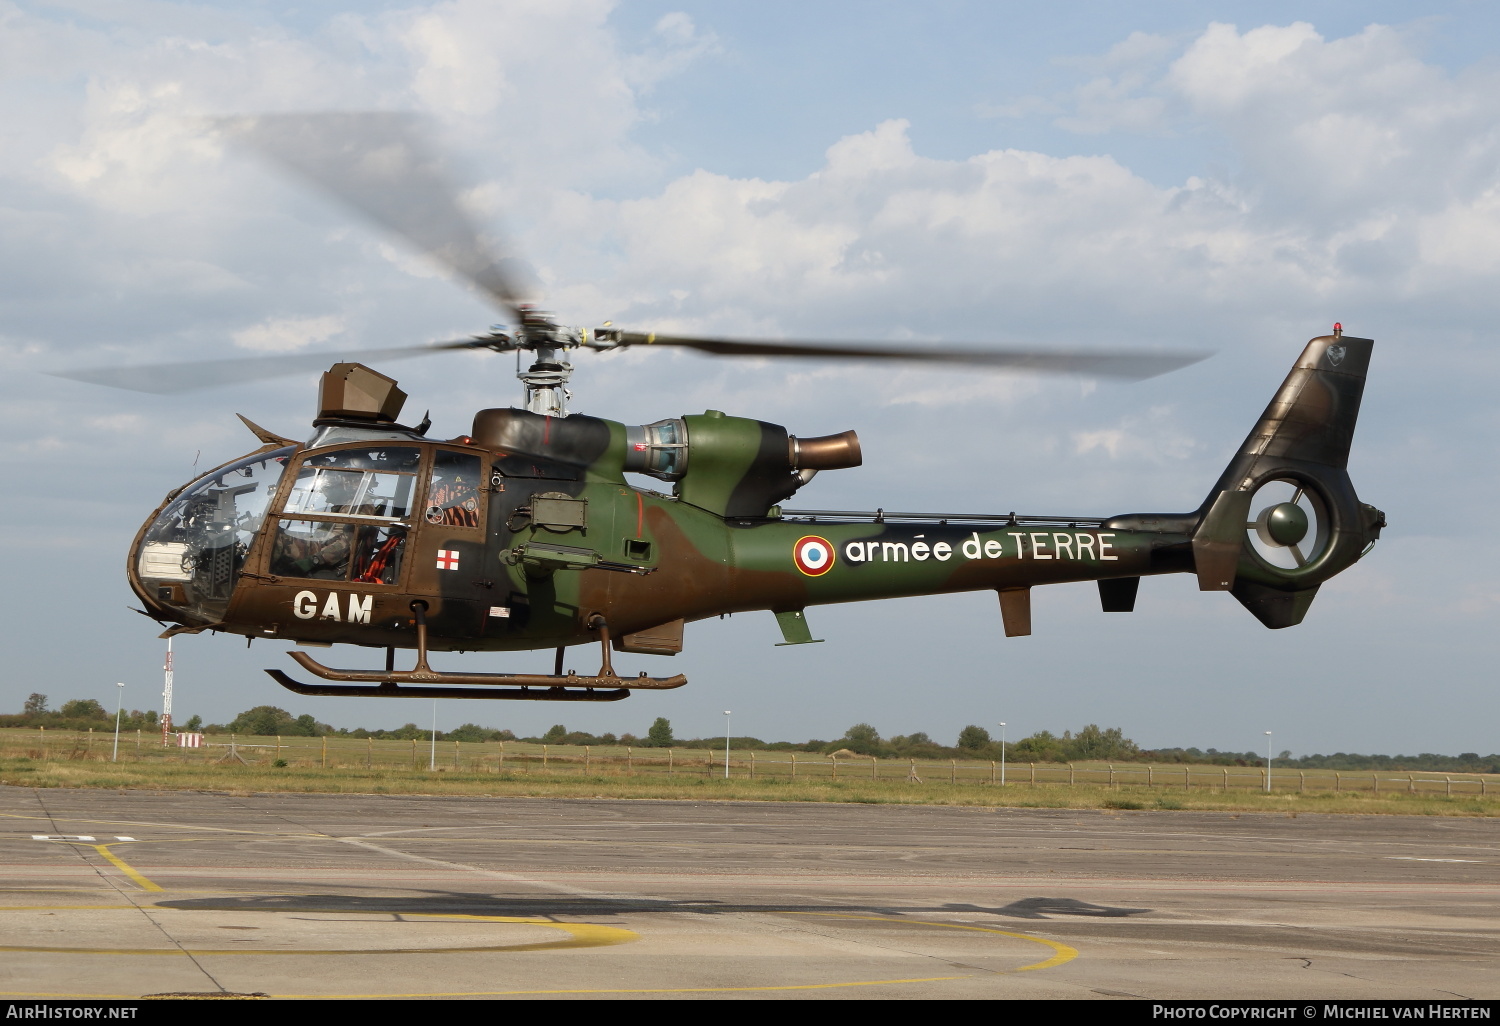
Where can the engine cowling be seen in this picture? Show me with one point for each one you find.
(734, 466)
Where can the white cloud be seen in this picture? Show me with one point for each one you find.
(287, 334)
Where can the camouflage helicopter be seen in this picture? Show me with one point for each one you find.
(525, 533)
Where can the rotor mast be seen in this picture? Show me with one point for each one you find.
(546, 380)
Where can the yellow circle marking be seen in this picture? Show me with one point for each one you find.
(582, 935)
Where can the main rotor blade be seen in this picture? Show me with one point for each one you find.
(384, 165)
(1126, 364)
(167, 378)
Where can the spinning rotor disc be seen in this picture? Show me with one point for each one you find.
(385, 167)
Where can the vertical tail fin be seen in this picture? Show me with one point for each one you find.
(1284, 517)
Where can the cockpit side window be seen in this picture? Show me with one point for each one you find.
(453, 494)
(370, 492)
(331, 551)
(356, 482)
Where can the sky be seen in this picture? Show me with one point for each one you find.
(1225, 176)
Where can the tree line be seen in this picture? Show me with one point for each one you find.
(1089, 744)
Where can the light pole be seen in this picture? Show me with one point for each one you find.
(1268, 762)
(119, 704)
(1002, 753)
(726, 744)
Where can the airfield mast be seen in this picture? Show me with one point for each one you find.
(166, 699)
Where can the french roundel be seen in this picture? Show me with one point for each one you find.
(813, 555)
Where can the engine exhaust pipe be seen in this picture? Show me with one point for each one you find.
(827, 452)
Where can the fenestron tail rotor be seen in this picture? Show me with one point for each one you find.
(1291, 526)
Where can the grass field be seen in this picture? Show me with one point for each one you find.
(30, 758)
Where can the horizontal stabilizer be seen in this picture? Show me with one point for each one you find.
(1117, 594)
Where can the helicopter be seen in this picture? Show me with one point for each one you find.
(525, 533)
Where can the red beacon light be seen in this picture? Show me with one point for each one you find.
(1338, 329)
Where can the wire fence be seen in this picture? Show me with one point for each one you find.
(519, 757)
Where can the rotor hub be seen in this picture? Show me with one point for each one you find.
(1283, 524)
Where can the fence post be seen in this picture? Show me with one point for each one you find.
(1033, 773)
(1111, 774)
(325, 751)
(137, 742)
(629, 759)
(278, 746)
(544, 757)
(1226, 779)
(1301, 781)
(501, 764)
(1411, 783)
(1449, 789)
(953, 771)
(670, 761)
(1149, 781)
(456, 763)
(43, 729)
(1337, 781)
(752, 765)
(794, 765)
(91, 739)
(992, 771)
(1374, 783)
(1187, 778)
(413, 753)
(1070, 774)
(874, 767)
(586, 758)
(369, 753)
(834, 762)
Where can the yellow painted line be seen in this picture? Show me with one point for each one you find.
(580, 935)
(1063, 952)
(125, 867)
(90, 997)
(651, 990)
(118, 863)
(69, 908)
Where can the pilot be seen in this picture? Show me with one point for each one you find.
(338, 489)
(322, 552)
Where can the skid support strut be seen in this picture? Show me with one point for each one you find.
(424, 682)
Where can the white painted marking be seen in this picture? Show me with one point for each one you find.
(61, 837)
(1418, 858)
(119, 838)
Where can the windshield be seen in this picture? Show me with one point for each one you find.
(192, 554)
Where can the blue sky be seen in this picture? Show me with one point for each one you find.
(1235, 177)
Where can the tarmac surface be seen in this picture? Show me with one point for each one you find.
(125, 894)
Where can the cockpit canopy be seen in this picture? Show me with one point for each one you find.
(193, 551)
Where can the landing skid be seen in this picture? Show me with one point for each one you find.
(425, 682)
(550, 692)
